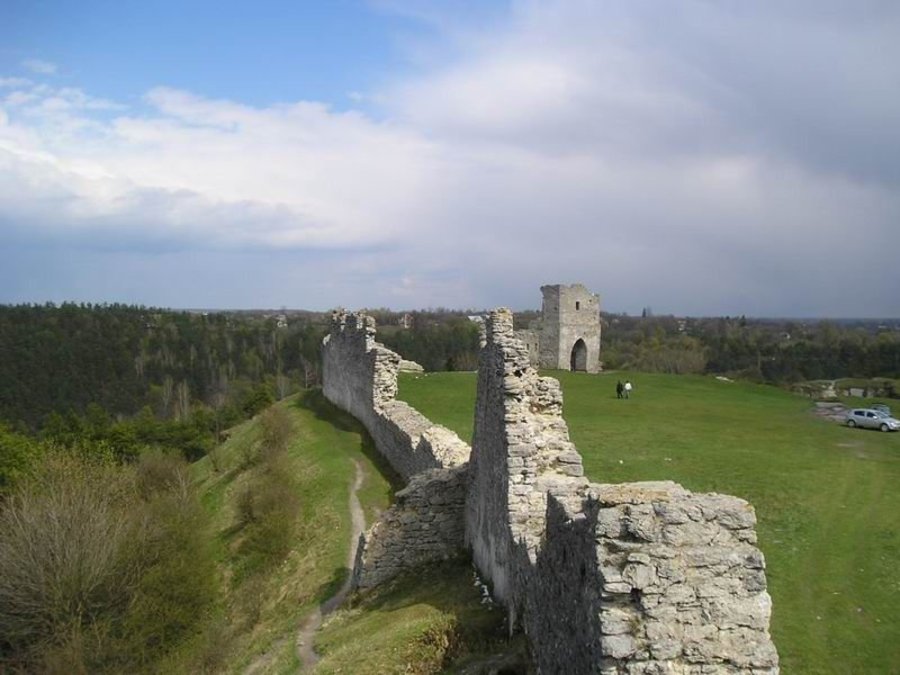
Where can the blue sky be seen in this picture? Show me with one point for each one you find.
(696, 157)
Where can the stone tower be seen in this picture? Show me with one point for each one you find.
(570, 329)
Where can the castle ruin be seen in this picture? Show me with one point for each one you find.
(637, 578)
(567, 336)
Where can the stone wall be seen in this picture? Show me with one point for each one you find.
(425, 524)
(523, 453)
(649, 578)
(633, 578)
(639, 578)
(360, 376)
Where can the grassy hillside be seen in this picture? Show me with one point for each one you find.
(827, 497)
(268, 589)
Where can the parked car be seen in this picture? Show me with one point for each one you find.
(869, 418)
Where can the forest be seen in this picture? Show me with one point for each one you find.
(138, 376)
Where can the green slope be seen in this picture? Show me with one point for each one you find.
(826, 497)
(416, 624)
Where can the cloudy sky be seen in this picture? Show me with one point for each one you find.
(699, 158)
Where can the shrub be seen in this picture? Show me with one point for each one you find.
(158, 472)
(103, 568)
(267, 510)
(276, 430)
(65, 561)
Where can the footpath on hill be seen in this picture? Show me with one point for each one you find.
(304, 643)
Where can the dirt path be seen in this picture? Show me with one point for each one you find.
(305, 652)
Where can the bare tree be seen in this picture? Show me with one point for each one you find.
(310, 372)
(282, 384)
(166, 393)
(182, 400)
(63, 549)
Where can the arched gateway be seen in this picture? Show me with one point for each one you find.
(578, 358)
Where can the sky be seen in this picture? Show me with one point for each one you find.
(695, 157)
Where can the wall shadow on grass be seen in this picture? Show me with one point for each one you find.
(314, 401)
(469, 637)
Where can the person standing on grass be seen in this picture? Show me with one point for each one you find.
(627, 388)
(619, 389)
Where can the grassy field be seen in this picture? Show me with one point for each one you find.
(826, 496)
(426, 623)
(408, 627)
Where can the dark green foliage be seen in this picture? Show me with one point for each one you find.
(126, 440)
(122, 358)
(256, 400)
(436, 342)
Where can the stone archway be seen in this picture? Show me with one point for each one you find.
(578, 359)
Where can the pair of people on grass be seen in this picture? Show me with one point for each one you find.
(623, 390)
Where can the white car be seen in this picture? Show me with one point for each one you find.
(867, 418)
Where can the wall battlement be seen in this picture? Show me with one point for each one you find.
(637, 578)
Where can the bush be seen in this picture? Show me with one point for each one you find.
(276, 430)
(65, 552)
(103, 568)
(267, 510)
(158, 472)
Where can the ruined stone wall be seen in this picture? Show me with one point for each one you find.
(531, 338)
(425, 524)
(633, 578)
(639, 578)
(360, 376)
(523, 453)
(650, 578)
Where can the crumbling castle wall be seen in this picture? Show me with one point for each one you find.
(523, 454)
(360, 376)
(425, 523)
(633, 578)
(638, 578)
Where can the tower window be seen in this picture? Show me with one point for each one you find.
(577, 305)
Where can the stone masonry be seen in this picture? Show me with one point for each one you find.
(567, 336)
(638, 578)
(425, 523)
(633, 578)
(360, 376)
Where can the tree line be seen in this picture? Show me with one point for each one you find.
(769, 350)
(71, 359)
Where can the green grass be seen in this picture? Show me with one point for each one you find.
(826, 496)
(423, 623)
(418, 624)
(263, 607)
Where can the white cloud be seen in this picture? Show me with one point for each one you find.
(14, 82)
(39, 67)
(658, 154)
